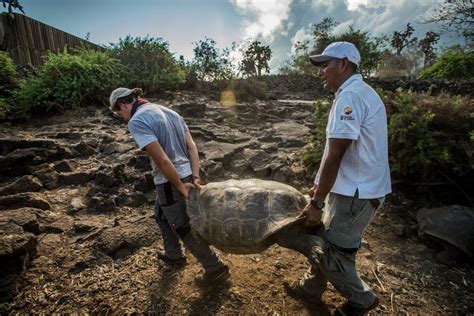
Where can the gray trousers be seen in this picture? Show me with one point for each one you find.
(345, 219)
(171, 216)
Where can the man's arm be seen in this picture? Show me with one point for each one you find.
(328, 175)
(193, 158)
(162, 161)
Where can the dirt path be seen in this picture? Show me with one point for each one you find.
(401, 270)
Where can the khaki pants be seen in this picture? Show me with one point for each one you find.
(171, 216)
(345, 219)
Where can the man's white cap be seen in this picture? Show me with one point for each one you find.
(118, 93)
(337, 50)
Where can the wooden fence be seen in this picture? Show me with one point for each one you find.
(28, 40)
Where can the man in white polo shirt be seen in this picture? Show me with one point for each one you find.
(352, 181)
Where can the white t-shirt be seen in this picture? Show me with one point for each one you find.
(359, 114)
(153, 122)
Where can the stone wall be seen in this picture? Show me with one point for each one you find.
(309, 87)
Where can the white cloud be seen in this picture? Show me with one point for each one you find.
(285, 22)
(300, 36)
(384, 17)
(344, 26)
(354, 4)
(328, 5)
(263, 18)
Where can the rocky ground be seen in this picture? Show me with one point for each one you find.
(77, 233)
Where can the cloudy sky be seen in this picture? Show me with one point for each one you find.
(277, 23)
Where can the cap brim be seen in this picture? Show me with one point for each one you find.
(318, 60)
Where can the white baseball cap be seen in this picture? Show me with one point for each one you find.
(118, 93)
(337, 50)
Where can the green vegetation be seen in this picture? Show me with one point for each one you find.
(149, 64)
(12, 5)
(454, 64)
(400, 55)
(8, 82)
(454, 16)
(211, 63)
(74, 79)
(255, 59)
(248, 89)
(430, 137)
(68, 81)
(370, 48)
(314, 151)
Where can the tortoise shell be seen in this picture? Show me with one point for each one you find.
(240, 216)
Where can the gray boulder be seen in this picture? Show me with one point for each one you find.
(452, 227)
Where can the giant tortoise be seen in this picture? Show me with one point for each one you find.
(247, 216)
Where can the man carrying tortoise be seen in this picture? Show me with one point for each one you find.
(352, 181)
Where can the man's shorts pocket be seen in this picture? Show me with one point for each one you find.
(176, 215)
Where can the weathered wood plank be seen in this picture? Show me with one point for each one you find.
(29, 40)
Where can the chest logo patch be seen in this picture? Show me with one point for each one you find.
(347, 110)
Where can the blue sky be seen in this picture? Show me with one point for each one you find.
(277, 23)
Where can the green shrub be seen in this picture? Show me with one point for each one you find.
(69, 81)
(8, 83)
(4, 108)
(437, 132)
(412, 146)
(248, 89)
(8, 75)
(452, 65)
(313, 153)
(430, 137)
(149, 64)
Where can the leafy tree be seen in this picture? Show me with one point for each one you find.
(206, 58)
(149, 63)
(300, 58)
(454, 16)
(299, 62)
(426, 45)
(400, 40)
(405, 65)
(12, 5)
(209, 62)
(255, 59)
(405, 60)
(370, 48)
(322, 32)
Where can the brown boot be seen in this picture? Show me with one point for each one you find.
(176, 263)
(297, 291)
(351, 309)
(211, 278)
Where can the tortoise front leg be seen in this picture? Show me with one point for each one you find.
(297, 239)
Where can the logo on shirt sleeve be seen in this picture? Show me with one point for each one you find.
(346, 116)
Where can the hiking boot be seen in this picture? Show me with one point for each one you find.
(177, 263)
(210, 278)
(296, 290)
(351, 309)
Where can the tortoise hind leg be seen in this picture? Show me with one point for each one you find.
(297, 239)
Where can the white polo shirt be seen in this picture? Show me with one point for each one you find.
(359, 114)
